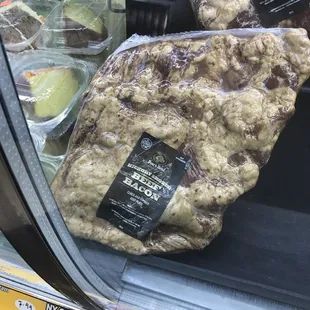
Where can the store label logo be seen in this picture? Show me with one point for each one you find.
(146, 144)
(53, 307)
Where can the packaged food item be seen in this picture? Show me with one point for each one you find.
(49, 86)
(21, 22)
(222, 14)
(173, 130)
(53, 88)
(80, 27)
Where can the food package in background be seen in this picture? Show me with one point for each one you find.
(80, 27)
(49, 86)
(173, 130)
(223, 14)
(21, 22)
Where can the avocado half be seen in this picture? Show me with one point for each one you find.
(45, 93)
(18, 23)
(82, 26)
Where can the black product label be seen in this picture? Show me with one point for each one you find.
(143, 187)
(272, 12)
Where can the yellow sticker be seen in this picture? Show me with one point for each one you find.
(24, 274)
(13, 300)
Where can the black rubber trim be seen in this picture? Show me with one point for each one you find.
(20, 228)
(33, 182)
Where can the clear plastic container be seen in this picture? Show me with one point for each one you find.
(50, 165)
(57, 145)
(51, 150)
(10, 56)
(80, 27)
(39, 140)
(49, 86)
(21, 22)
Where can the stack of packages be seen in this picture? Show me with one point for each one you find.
(41, 36)
(175, 128)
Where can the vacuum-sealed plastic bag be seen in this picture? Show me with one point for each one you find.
(223, 14)
(174, 129)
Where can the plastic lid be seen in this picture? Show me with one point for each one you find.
(21, 22)
(49, 86)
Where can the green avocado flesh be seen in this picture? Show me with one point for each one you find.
(45, 93)
(82, 26)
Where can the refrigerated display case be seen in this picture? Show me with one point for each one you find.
(258, 261)
(20, 285)
(153, 17)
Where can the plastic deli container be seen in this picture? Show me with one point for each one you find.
(39, 140)
(21, 22)
(10, 56)
(50, 165)
(58, 145)
(80, 27)
(51, 151)
(49, 86)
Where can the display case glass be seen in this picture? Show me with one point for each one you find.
(148, 172)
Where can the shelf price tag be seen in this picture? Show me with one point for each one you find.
(14, 300)
(24, 305)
